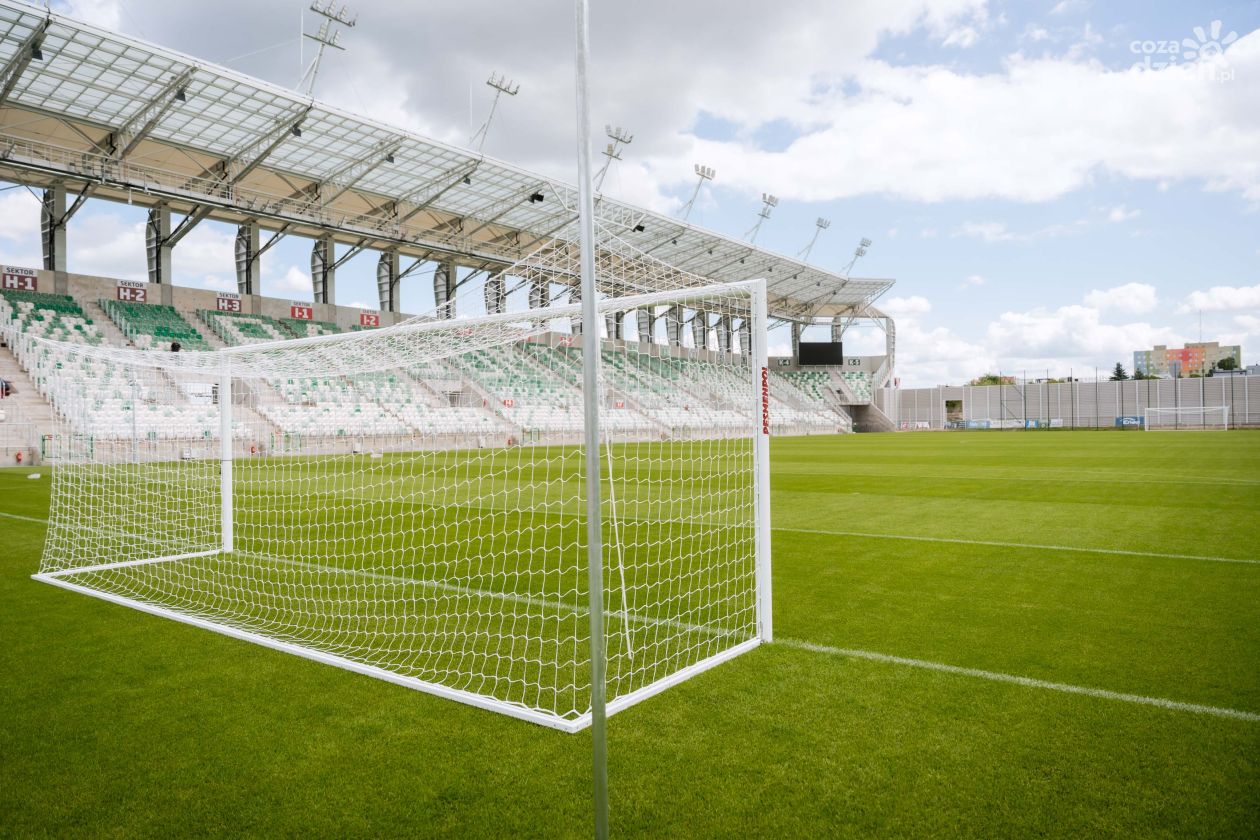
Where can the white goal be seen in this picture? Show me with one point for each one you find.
(408, 502)
(1187, 418)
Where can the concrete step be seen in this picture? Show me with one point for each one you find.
(24, 404)
(211, 337)
(113, 335)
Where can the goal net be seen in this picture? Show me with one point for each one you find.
(1187, 418)
(408, 502)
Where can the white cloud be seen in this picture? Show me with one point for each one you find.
(963, 36)
(1222, 299)
(294, 281)
(908, 306)
(1133, 298)
(1121, 213)
(972, 281)
(1069, 333)
(988, 231)
(1066, 6)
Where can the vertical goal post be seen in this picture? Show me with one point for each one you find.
(414, 548)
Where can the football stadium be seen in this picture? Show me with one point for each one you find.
(610, 534)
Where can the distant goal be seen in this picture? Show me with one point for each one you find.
(1187, 419)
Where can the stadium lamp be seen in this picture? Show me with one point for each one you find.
(819, 226)
(36, 53)
(768, 203)
(619, 137)
(180, 95)
(501, 85)
(536, 198)
(705, 173)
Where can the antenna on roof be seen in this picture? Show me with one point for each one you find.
(327, 36)
(768, 203)
(501, 85)
(819, 226)
(619, 137)
(706, 173)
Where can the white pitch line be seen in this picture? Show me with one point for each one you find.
(1080, 549)
(1027, 682)
(23, 518)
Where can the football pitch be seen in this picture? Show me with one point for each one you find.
(977, 634)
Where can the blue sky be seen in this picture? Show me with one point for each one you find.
(1040, 202)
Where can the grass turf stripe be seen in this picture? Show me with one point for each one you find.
(1027, 682)
(997, 544)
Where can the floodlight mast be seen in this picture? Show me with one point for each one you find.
(768, 203)
(590, 399)
(858, 253)
(501, 84)
(619, 137)
(327, 36)
(706, 173)
(819, 226)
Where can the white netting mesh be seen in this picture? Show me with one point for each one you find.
(411, 499)
(1187, 418)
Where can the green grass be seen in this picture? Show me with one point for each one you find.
(117, 723)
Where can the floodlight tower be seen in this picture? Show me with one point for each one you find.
(619, 137)
(706, 173)
(327, 36)
(768, 203)
(501, 85)
(819, 226)
(858, 253)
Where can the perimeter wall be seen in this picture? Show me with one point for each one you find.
(1067, 405)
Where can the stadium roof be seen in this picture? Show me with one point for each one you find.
(133, 121)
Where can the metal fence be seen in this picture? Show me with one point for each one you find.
(1068, 405)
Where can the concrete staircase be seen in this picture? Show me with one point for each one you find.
(27, 415)
(113, 335)
(211, 337)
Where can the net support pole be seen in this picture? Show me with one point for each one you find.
(761, 460)
(590, 398)
(225, 450)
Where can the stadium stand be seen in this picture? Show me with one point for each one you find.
(307, 329)
(153, 326)
(236, 328)
(496, 394)
(859, 383)
(57, 317)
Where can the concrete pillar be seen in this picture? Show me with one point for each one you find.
(248, 260)
(724, 333)
(796, 340)
(644, 321)
(674, 325)
(387, 281)
(700, 329)
(496, 294)
(323, 270)
(615, 322)
(444, 279)
(157, 234)
(745, 336)
(52, 225)
(837, 331)
(539, 293)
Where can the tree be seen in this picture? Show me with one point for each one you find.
(1119, 374)
(991, 379)
(1141, 375)
(1227, 363)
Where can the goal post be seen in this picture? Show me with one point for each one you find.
(1186, 418)
(408, 502)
